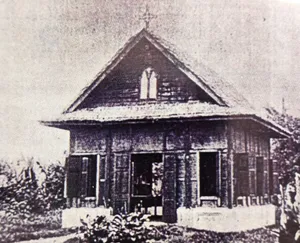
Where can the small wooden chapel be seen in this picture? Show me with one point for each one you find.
(162, 133)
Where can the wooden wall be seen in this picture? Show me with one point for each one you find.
(245, 138)
(122, 86)
(150, 137)
(183, 140)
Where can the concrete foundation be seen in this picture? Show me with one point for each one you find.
(206, 218)
(227, 220)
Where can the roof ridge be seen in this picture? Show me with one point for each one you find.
(208, 78)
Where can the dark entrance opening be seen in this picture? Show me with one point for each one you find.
(208, 174)
(146, 181)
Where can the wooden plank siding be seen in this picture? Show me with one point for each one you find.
(184, 139)
(245, 138)
(122, 86)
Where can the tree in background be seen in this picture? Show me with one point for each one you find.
(26, 195)
(287, 151)
(54, 185)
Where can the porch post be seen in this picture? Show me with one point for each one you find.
(230, 162)
(97, 179)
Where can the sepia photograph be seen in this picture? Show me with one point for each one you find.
(149, 121)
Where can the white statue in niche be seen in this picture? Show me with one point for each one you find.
(148, 84)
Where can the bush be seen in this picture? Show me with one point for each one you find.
(95, 230)
(37, 226)
(177, 234)
(54, 186)
(124, 228)
(25, 195)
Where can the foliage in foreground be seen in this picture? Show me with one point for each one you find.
(124, 228)
(39, 226)
(25, 195)
(178, 234)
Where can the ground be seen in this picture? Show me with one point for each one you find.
(177, 234)
(49, 227)
(15, 229)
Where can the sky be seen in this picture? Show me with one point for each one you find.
(50, 50)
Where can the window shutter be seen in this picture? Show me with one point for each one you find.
(91, 176)
(73, 176)
(102, 182)
(169, 188)
(121, 183)
(252, 175)
(242, 175)
(271, 185)
(260, 175)
(84, 176)
(266, 176)
(275, 177)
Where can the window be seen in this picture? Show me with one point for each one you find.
(208, 174)
(148, 84)
(81, 176)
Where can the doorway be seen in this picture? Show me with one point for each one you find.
(146, 184)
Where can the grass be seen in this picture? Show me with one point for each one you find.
(38, 226)
(47, 226)
(195, 236)
(183, 235)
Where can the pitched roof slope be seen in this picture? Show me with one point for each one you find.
(230, 101)
(221, 91)
(229, 95)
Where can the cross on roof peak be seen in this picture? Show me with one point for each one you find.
(147, 17)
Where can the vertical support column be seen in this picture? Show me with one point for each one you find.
(224, 179)
(230, 161)
(188, 178)
(97, 180)
(109, 168)
(169, 190)
(66, 176)
(198, 179)
(219, 177)
(121, 182)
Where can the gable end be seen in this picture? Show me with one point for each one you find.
(83, 101)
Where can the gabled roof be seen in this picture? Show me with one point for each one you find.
(229, 102)
(220, 91)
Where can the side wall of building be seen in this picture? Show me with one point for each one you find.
(250, 143)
